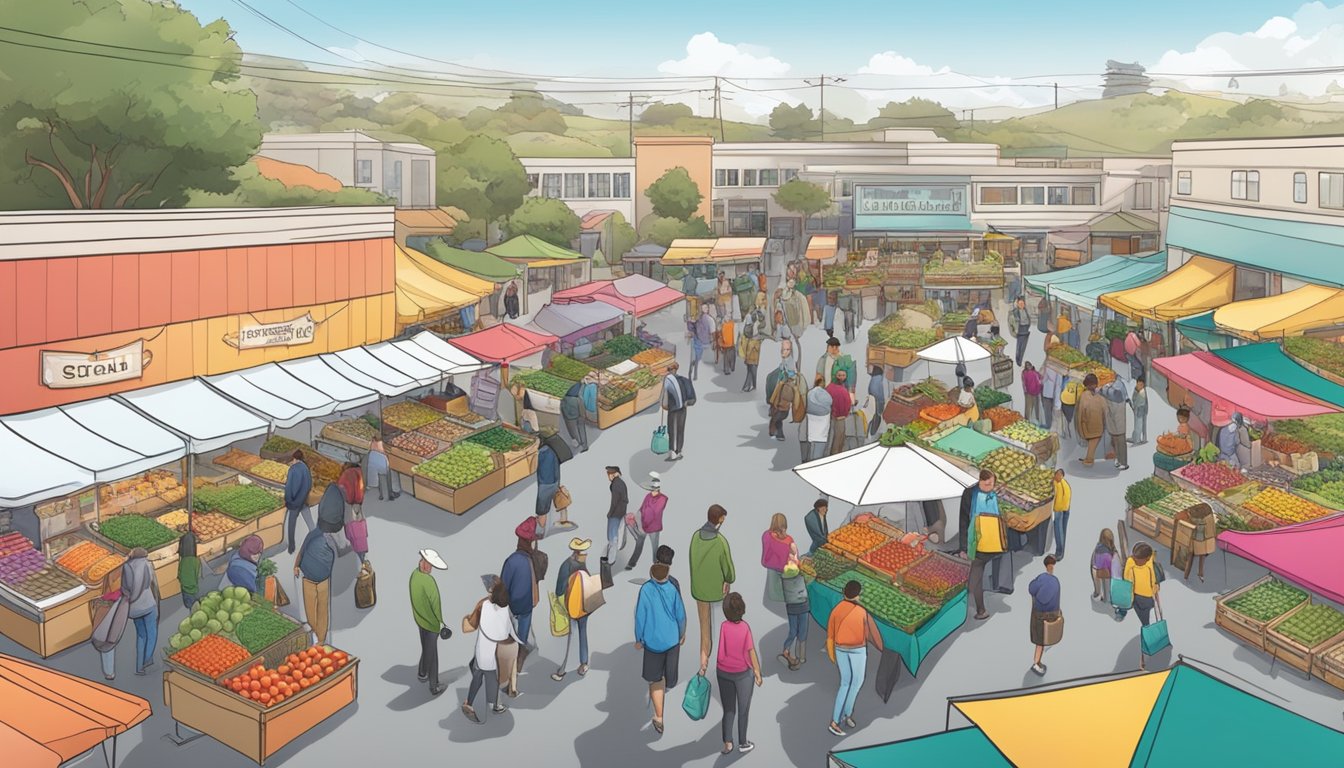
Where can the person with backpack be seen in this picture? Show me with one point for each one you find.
(702, 336)
(1146, 574)
(569, 587)
(1070, 392)
(678, 395)
(1116, 427)
(660, 631)
(571, 410)
(712, 571)
(548, 480)
(520, 578)
(785, 400)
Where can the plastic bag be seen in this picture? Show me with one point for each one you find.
(696, 701)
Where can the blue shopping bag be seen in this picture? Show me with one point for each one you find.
(1122, 594)
(660, 444)
(696, 701)
(1154, 638)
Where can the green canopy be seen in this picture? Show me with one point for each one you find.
(531, 247)
(1267, 361)
(1201, 330)
(1081, 286)
(478, 263)
(964, 746)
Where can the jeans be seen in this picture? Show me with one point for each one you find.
(735, 688)
(639, 544)
(613, 535)
(146, 638)
(579, 627)
(853, 664)
(479, 676)
(545, 495)
(676, 429)
(1143, 606)
(524, 625)
(750, 383)
(109, 661)
(429, 657)
(977, 576)
(1022, 346)
(292, 518)
(1047, 411)
(1061, 524)
(1140, 426)
(577, 427)
(697, 352)
(797, 629)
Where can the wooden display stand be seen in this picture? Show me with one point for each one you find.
(49, 631)
(648, 396)
(245, 726)
(608, 418)
(900, 358)
(522, 463)
(271, 527)
(1330, 665)
(1291, 652)
(1244, 628)
(458, 500)
(164, 559)
(405, 462)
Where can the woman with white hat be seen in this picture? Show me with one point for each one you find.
(647, 521)
(567, 581)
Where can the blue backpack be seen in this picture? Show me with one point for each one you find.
(687, 390)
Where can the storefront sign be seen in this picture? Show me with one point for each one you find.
(67, 370)
(287, 334)
(911, 206)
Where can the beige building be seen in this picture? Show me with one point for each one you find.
(403, 171)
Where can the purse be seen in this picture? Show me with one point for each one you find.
(1154, 638)
(473, 620)
(1054, 631)
(562, 498)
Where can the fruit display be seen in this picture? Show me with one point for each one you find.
(1270, 475)
(1007, 463)
(241, 502)
(1286, 507)
(18, 558)
(239, 460)
(940, 412)
(1284, 443)
(177, 519)
(124, 493)
(409, 415)
(325, 471)
(1000, 417)
(501, 440)
(988, 397)
(1324, 433)
(219, 612)
(616, 391)
(1105, 375)
(1214, 478)
(1320, 353)
(826, 565)
(624, 346)
(1312, 625)
(417, 444)
(100, 569)
(442, 429)
(1067, 355)
(1037, 483)
(133, 531)
(78, 558)
(261, 629)
(642, 378)
(44, 584)
(1243, 523)
(301, 671)
(892, 557)
(357, 431)
(466, 418)
(1267, 601)
(459, 466)
(209, 525)
(1023, 432)
(1175, 503)
(1173, 444)
(886, 603)
(936, 577)
(651, 357)
(568, 368)
(272, 471)
(855, 539)
(281, 444)
(544, 382)
(1147, 491)
(212, 655)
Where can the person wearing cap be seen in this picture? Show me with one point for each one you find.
(647, 522)
(242, 568)
(316, 560)
(620, 501)
(832, 362)
(520, 577)
(565, 584)
(298, 484)
(427, 608)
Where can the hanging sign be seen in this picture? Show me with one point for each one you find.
(290, 333)
(68, 370)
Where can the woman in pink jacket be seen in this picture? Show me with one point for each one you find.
(647, 521)
(777, 546)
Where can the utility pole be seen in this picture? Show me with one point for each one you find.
(631, 106)
(821, 84)
(1056, 95)
(718, 107)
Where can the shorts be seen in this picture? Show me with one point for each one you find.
(662, 666)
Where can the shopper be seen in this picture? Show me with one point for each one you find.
(751, 356)
(1116, 428)
(188, 569)
(141, 589)
(712, 571)
(660, 631)
(1070, 393)
(1091, 418)
(1139, 402)
(569, 588)
(427, 610)
(726, 345)
(702, 337)
(986, 538)
(1141, 571)
(786, 400)
(842, 405)
(736, 669)
(877, 399)
(242, 567)
(1062, 504)
(723, 296)
(108, 631)
(1019, 321)
(1103, 556)
(316, 560)
(380, 473)
(798, 609)
(815, 523)
(828, 313)
(818, 422)
(298, 484)
(777, 546)
(548, 480)
(647, 522)
(848, 631)
(1044, 591)
(620, 501)
(674, 404)
(492, 628)
(351, 483)
(571, 410)
(520, 578)
(1051, 384)
(1031, 393)
(832, 362)
(511, 300)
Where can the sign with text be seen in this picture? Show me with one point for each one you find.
(68, 370)
(290, 333)
(911, 206)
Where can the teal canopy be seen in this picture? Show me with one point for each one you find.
(964, 746)
(1082, 285)
(1268, 361)
(1201, 330)
(1302, 249)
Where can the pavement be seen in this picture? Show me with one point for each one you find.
(603, 719)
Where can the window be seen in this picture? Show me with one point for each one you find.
(620, 185)
(1332, 190)
(1299, 187)
(1143, 195)
(599, 185)
(1183, 183)
(1033, 195)
(769, 178)
(998, 195)
(1084, 196)
(720, 177)
(392, 181)
(1251, 284)
(573, 185)
(790, 174)
(363, 171)
(749, 177)
(846, 189)
(1253, 185)
(1058, 196)
(532, 180)
(1246, 185)
(717, 210)
(550, 185)
(732, 177)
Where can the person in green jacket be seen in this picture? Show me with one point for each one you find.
(188, 569)
(427, 607)
(711, 571)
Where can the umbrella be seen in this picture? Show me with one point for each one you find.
(877, 474)
(956, 349)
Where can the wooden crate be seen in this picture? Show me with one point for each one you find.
(648, 396)
(1291, 652)
(1246, 629)
(458, 500)
(1142, 520)
(49, 631)
(1330, 665)
(405, 461)
(610, 417)
(1032, 518)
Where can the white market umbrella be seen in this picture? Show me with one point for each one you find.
(953, 350)
(877, 474)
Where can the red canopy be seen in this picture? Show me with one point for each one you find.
(503, 343)
(636, 294)
(1303, 554)
(1222, 383)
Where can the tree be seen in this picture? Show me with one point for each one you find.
(803, 197)
(481, 176)
(256, 191)
(98, 131)
(916, 113)
(659, 113)
(675, 195)
(546, 218)
(623, 237)
(663, 230)
(793, 123)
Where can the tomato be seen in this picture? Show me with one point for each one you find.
(265, 681)
(304, 683)
(284, 669)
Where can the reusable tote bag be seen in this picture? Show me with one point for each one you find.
(660, 443)
(696, 701)
(1154, 638)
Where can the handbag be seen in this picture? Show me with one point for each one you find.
(473, 620)
(990, 533)
(696, 701)
(593, 598)
(366, 590)
(1053, 631)
(607, 580)
(888, 674)
(660, 444)
(1153, 638)
(562, 499)
(559, 617)
(1122, 594)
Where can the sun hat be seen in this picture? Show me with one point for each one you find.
(580, 545)
(655, 480)
(432, 557)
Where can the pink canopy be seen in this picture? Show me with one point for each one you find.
(503, 343)
(1303, 554)
(1222, 383)
(636, 294)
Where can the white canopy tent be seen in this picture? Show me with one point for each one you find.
(206, 419)
(36, 474)
(315, 372)
(399, 360)
(876, 474)
(433, 351)
(358, 366)
(273, 393)
(953, 350)
(103, 437)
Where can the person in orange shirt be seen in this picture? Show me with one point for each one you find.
(848, 632)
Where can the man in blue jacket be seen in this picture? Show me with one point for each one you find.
(298, 484)
(520, 578)
(571, 408)
(317, 559)
(660, 629)
(548, 478)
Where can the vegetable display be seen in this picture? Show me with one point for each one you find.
(1326, 355)
(1285, 443)
(827, 565)
(269, 687)
(1037, 483)
(467, 418)
(443, 430)
(260, 629)
(1000, 417)
(133, 531)
(1173, 504)
(855, 538)
(238, 459)
(357, 429)
(900, 338)
(220, 611)
(1312, 625)
(988, 397)
(409, 415)
(177, 519)
(624, 346)
(892, 557)
(1285, 507)
(212, 655)
(1214, 478)
(652, 356)
(18, 558)
(1067, 355)
(940, 412)
(1024, 432)
(936, 577)
(281, 444)
(100, 569)
(1147, 491)
(210, 525)
(544, 382)
(1328, 484)
(500, 440)
(898, 435)
(1325, 433)
(459, 466)
(416, 444)
(1270, 475)
(241, 502)
(617, 391)
(568, 368)
(1007, 463)
(78, 558)
(45, 583)
(1173, 444)
(642, 378)
(886, 603)
(1267, 601)
(273, 471)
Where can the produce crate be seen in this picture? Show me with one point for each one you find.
(337, 436)
(891, 577)
(610, 417)
(458, 500)
(900, 410)
(841, 553)
(885, 528)
(1169, 463)
(522, 463)
(1330, 665)
(952, 589)
(405, 462)
(271, 527)
(1291, 652)
(1044, 449)
(1033, 514)
(648, 396)
(900, 358)
(1246, 629)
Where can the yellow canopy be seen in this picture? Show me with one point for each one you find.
(426, 287)
(1288, 314)
(822, 247)
(1014, 723)
(730, 249)
(1199, 285)
(688, 251)
(543, 263)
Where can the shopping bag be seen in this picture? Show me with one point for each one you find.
(559, 617)
(696, 701)
(366, 590)
(562, 498)
(1122, 594)
(607, 580)
(1054, 631)
(1153, 638)
(592, 592)
(888, 674)
(660, 444)
(281, 597)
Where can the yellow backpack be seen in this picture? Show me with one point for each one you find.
(1072, 391)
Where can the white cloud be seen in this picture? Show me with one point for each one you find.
(890, 76)
(892, 63)
(707, 55)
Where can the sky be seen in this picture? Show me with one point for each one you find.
(888, 51)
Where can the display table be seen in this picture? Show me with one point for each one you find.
(911, 647)
(50, 630)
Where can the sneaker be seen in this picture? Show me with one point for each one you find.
(1122, 467)
(422, 678)
(835, 730)
(671, 456)
(583, 670)
(499, 709)
(745, 747)
(435, 690)
(849, 722)
(557, 676)
(1039, 669)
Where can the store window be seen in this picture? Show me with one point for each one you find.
(790, 174)
(1143, 195)
(1183, 183)
(1331, 191)
(1299, 187)
(749, 177)
(1058, 195)
(533, 180)
(769, 177)
(1084, 196)
(573, 186)
(1253, 185)
(363, 171)
(730, 177)
(846, 189)
(1246, 185)
(1033, 195)
(718, 210)
(998, 195)
(1251, 284)
(551, 185)
(599, 185)
(620, 185)
(392, 181)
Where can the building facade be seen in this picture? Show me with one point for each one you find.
(403, 171)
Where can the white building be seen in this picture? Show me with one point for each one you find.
(403, 171)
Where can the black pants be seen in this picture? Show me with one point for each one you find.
(479, 677)
(777, 416)
(735, 690)
(429, 657)
(676, 429)
(750, 383)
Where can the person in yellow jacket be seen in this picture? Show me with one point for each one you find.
(1063, 498)
(986, 536)
(1141, 571)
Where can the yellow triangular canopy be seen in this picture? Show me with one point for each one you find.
(1199, 285)
(426, 288)
(1063, 727)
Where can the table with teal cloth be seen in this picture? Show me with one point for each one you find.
(912, 647)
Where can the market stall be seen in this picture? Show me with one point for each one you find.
(1199, 285)
(504, 343)
(1220, 382)
(1291, 313)
(1268, 362)
(634, 294)
(575, 324)
(432, 294)
(549, 267)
